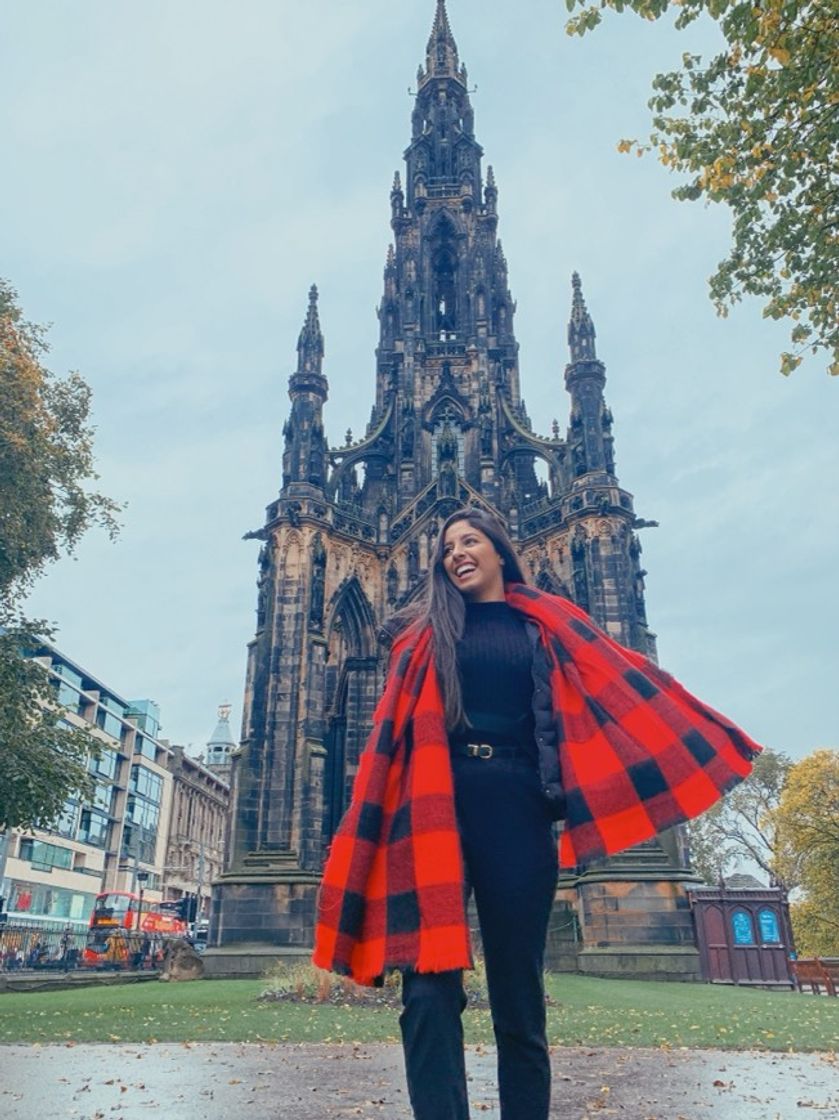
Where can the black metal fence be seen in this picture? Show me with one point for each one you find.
(55, 947)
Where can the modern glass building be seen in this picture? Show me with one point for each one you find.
(53, 876)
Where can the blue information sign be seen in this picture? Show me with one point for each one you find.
(741, 924)
(769, 933)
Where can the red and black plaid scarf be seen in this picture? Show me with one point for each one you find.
(638, 754)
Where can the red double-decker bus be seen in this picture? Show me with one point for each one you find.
(119, 919)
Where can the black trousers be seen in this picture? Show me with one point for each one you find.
(511, 864)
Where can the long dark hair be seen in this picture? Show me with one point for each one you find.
(443, 608)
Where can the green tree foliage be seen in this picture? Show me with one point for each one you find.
(807, 822)
(757, 127)
(785, 819)
(46, 463)
(742, 827)
(46, 457)
(42, 762)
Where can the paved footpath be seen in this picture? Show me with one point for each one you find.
(234, 1081)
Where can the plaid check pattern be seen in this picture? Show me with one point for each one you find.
(638, 754)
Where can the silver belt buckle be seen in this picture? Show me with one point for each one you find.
(479, 750)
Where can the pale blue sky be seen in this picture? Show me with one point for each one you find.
(176, 175)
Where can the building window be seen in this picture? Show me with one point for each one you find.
(102, 795)
(106, 764)
(68, 821)
(110, 715)
(147, 714)
(145, 747)
(139, 838)
(67, 686)
(66, 694)
(108, 722)
(43, 856)
(146, 783)
(93, 827)
(38, 901)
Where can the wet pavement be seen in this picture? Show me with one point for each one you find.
(235, 1081)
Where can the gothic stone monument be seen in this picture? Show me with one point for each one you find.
(349, 538)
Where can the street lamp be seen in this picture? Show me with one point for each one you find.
(142, 876)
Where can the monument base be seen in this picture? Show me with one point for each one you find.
(263, 913)
(641, 962)
(637, 923)
(621, 919)
(250, 960)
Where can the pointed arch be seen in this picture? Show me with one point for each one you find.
(447, 396)
(446, 224)
(446, 407)
(349, 694)
(443, 238)
(481, 301)
(351, 611)
(530, 453)
(291, 556)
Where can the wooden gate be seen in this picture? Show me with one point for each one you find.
(744, 935)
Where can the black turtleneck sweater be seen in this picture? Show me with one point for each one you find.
(495, 658)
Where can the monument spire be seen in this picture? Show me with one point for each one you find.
(590, 436)
(310, 342)
(441, 52)
(304, 456)
(581, 333)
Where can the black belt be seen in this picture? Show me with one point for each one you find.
(488, 750)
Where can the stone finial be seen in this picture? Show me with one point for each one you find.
(310, 342)
(581, 333)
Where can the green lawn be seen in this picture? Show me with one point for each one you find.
(584, 1012)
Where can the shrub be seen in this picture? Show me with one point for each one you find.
(303, 983)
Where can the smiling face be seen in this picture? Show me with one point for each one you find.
(472, 563)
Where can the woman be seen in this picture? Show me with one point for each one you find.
(504, 709)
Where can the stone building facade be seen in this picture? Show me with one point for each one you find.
(349, 538)
(197, 825)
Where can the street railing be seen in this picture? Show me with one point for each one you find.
(51, 946)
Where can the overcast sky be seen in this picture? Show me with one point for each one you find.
(177, 173)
